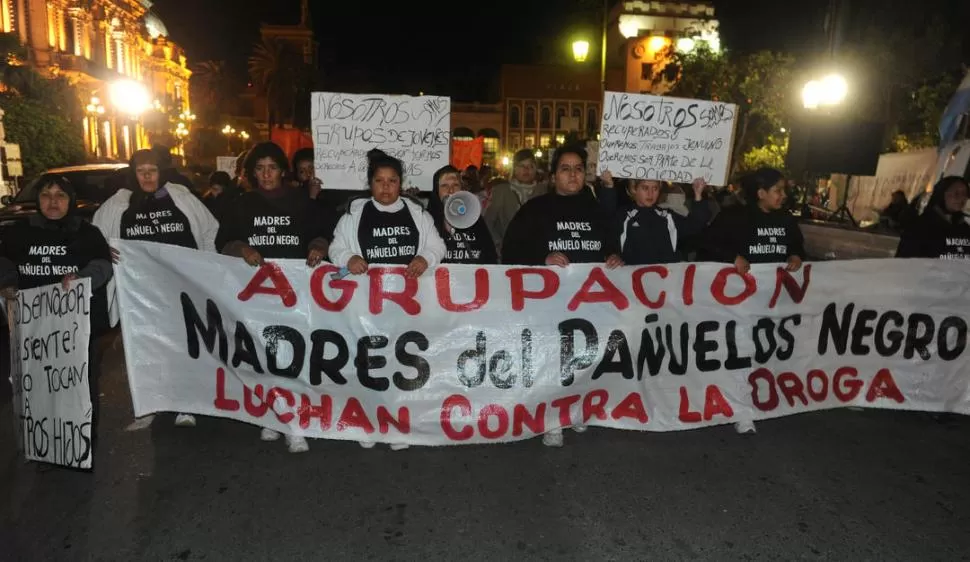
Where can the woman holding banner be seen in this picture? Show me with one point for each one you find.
(274, 222)
(465, 244)
(757, 232)
(56, 246)
(563, 227)
(386, 228)
(152, 211)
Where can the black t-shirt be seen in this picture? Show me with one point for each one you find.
(387, 237)
(936, 235)
(157, 220)
(757, 236)
(472, 245)
(278, 228)
(44, 256)
(573, 225)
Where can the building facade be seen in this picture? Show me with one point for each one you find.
(471, 120)
(641, 32)
(118, 55)
(543, 104)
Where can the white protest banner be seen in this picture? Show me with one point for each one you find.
(49, 345)
(416, 130)
(226, 164)
(663, 138)
(471, 354)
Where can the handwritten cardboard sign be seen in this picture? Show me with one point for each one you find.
(51, 328)
(226, 164)
(669, 139)
(416, 130)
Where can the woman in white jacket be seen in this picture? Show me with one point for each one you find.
(148, 211)
(386, 229)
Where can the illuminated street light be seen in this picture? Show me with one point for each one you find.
(685, 44)
(129, 97)
(834, 89)
(505, 161)
(580, 50)
(831, 90)
(243, 135)
(538, 154)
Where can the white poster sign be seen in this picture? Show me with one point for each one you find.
(469, 354)
(663, 138)
(226, 164)
(49, 352)
(416, 130)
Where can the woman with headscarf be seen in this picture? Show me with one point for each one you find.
(386, 228)
(56, 246)
(941, 232)
(471, 245)
(273, 221)
(150, 211)
(562, 227)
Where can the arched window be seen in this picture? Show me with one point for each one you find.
(560, 115)
(591, 120)
(578, 116)
(515, 117)
(546, 120)
(530, 117)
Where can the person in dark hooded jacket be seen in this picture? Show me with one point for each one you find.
(56, 246)
(941, 231)
(471, 245)
(647, 233)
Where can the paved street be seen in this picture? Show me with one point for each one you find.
(828, 486)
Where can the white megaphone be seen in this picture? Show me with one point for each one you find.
(462, 209)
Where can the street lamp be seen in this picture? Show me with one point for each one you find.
(229, 132)
(580, 50)
(538, 154)
(829, 91)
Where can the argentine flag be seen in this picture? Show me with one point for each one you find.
(958, 106)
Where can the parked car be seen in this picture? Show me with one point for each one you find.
(90, 182)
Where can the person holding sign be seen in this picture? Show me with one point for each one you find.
(941, 232)
(274, 222)
(562, 227)
(757, 232)
(155, 211)
(56, 246)
(465, 244)
(386, 228)
(647, 233)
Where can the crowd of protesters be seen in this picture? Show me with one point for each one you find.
(526, 219)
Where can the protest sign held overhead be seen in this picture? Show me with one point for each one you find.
(416, 130)
(484, 354)
(49, 356)
(669, 139)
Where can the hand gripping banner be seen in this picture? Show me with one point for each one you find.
(469, 354)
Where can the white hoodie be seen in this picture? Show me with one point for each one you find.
(346, 244)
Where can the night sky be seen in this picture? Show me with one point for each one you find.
(406, 47)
